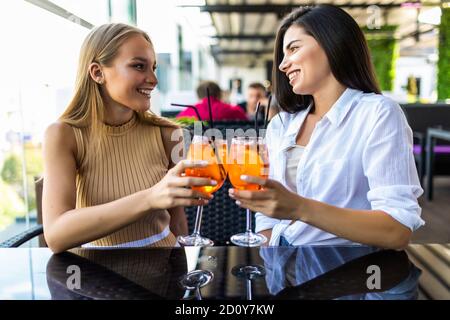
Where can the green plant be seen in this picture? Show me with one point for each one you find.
(12, 172)
(187, 121)
(12, 169)
(384, 52)
(35, 167)
(443, 65)
(11, 205)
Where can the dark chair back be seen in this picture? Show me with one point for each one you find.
(38, 186)
(422, 117)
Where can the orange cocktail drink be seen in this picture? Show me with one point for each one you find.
(248, 156)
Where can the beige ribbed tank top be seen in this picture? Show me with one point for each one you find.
(132, 159)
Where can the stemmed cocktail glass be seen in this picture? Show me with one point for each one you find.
(213, 151)
(247, 156)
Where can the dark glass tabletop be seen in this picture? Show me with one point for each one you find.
(231, 273)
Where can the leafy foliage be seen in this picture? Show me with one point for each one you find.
(384, 52)
(443, 77)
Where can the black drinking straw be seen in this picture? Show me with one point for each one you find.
(188, 106)
(266, 118)
(211, 123)
(256, 118)
(211, 126)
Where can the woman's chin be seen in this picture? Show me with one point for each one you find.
(301, 90)
(298, 90)
(142, 107)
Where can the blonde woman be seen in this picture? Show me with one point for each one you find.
(109, 180)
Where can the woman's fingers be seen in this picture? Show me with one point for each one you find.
(188, 164)
(254, 179)
(250, 195)
(268, 183)
(189, 193)
(255, 207)
(192, 181)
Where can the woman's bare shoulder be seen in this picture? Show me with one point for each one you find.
(60, 134)
(168, 132)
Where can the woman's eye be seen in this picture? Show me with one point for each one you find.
(139, 66)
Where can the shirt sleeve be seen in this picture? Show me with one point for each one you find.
(389, 166)
(263, 222)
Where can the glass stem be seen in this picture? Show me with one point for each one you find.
(249, 221)
(249, 289)
(198, 221)
(198, 294)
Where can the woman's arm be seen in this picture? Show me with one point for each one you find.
(66, 227)
(370, 227)
(173, 145)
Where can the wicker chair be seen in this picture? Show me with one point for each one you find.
(222, 218)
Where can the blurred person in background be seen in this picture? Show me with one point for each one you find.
(219, 109)
(255, 93)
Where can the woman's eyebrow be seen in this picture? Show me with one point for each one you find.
(140, 59)
(290, 43)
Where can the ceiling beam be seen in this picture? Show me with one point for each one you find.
(263, 37)
(238, 51)
(285, 8)
(59, 11)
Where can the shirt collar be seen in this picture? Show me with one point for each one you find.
(296, 121)
(335, 115)
(342, 106)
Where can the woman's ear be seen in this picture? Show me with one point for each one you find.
(96, 73)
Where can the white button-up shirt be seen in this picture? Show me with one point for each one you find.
(360, 156)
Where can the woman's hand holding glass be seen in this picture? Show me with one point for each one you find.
(173, 190)
(274, 200)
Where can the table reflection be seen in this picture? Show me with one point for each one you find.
(249, 273)
(283, 273)
(118, 274)
(346, 273)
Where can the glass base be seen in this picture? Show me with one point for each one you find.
(248, 239)
(196, 279)
(249, 272)
(194, 241)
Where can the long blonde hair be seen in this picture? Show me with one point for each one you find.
(86, 109)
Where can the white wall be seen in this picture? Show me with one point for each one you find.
(418, 67)
(161, 24)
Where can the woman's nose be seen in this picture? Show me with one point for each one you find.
(283, 65)
(151, 78)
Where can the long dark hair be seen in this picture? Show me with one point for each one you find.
(345, 47)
